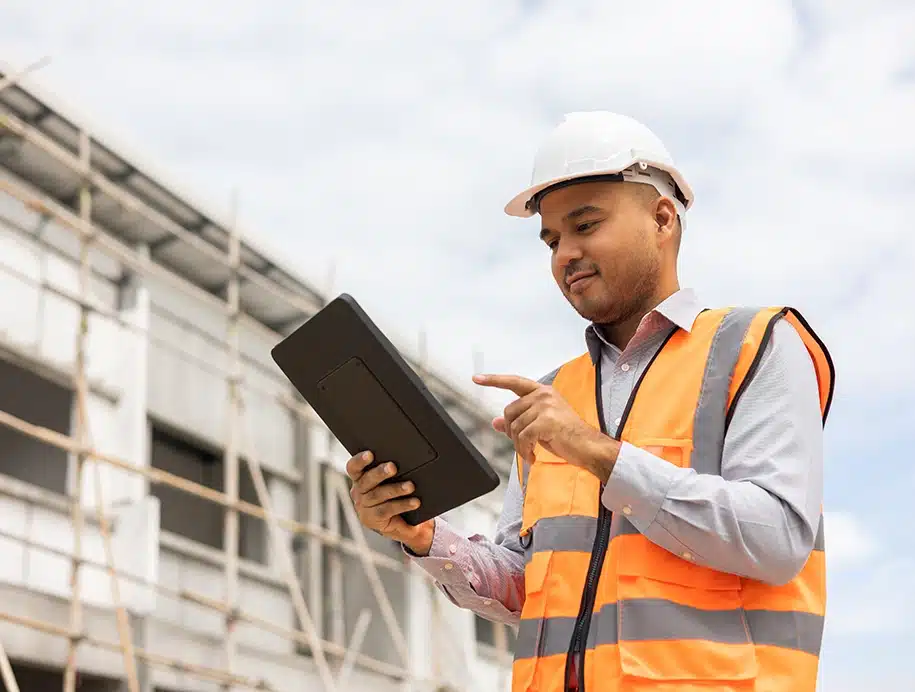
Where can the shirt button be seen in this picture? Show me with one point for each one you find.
(625, 367)
(618, 421)
(448, 565)
(627, 510)
(452, 548)
(487, 603)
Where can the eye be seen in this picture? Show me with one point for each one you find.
(582, 227)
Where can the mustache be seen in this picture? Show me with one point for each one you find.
(579, 267)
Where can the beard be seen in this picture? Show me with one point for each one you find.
(630, 294)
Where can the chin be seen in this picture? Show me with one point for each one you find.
(591, 309)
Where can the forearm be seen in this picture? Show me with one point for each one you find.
(476, 573)
(728, 525)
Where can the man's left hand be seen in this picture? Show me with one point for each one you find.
(541, 415)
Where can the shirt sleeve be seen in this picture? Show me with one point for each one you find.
(483, 576)
(759, 519)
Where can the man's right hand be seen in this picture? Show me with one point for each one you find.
(379, 505)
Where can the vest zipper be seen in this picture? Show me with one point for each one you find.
(578, 645)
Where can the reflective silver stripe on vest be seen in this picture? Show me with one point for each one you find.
(571, 533)
(545, 637)
(648, 619)
(787, 630)
(711, 409)
(659, 620)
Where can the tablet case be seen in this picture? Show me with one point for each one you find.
(371, 399)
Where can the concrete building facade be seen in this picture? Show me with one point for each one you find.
(141, 421)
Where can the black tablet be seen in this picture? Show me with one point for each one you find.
(371, 399)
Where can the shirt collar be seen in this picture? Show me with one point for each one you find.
(680, 309)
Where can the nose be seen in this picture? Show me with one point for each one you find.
(567, 252)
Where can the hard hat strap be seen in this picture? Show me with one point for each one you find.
(661, 181)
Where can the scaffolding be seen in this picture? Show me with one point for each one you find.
(333, 658)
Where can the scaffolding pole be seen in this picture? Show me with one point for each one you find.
(6, 672)
(282, 548)
(375, 583)
(355, 643)
(82, 457)
(17, 77)
(230, 459)
(334, 559)
(76, 610)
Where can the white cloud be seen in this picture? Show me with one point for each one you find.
(880, 603)
(868, 589)
(849, 543)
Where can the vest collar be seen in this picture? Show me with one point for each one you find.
(681, 309)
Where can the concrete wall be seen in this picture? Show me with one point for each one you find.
(161, 401)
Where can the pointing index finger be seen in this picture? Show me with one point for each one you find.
(515, 383)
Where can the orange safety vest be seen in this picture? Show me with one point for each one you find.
(646, 618)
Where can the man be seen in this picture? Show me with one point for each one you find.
(662, 526)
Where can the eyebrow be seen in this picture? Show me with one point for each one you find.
(576, 213)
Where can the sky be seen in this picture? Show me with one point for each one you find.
(377, 143)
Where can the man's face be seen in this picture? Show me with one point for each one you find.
(602, 239)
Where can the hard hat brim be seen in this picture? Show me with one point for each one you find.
(518, 206)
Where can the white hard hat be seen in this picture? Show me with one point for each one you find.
(600, 145)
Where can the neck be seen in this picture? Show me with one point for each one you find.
(620, 333)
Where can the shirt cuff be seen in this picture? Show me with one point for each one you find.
(446, 562)
(638, 485)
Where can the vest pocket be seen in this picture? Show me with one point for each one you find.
(680, 621)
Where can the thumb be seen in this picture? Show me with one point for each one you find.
(498, 424)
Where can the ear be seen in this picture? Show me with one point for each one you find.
(666, 218)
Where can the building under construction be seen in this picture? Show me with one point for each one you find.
(173, 516)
